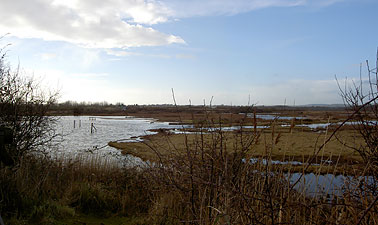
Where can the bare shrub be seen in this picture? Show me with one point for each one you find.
(361, 98)
(210, 181)
(24, 109)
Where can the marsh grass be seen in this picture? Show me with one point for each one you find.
(205, 178)
(41, 191)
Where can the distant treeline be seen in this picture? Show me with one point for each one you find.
(105, 108)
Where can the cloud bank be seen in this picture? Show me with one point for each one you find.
(118, 23)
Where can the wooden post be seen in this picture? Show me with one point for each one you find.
(93, 128)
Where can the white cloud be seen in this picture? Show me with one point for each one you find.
(88, 23)
(118, 23)
(149, 13)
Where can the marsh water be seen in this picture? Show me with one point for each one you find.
(84, 135)
(89, 136)
(329, 184)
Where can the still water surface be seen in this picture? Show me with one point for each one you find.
(75, 136)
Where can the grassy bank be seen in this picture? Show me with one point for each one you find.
(279, 143)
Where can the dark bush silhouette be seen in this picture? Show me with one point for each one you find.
(23, 109)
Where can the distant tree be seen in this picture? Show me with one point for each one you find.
(23, 109)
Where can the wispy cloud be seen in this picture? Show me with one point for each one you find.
(192, 8)
(124, 53)
(92, 76)
(121, 53)
(300, 91)
(220, 7)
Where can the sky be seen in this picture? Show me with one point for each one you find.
(238, 52)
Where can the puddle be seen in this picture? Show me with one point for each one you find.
(315, 125)
(320, 185)
(207, 130)
(278, 162)
(233, 128)
(325, 125)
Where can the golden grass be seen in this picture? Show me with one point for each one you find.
(285, 144)
(291, 145)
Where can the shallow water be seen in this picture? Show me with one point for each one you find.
(319, 185)
(207, 130)
(315, 125)
(274, 116)
(325, 125)
(233, 128)
(274, 162)
(75, 137)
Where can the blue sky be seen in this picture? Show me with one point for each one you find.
(135, 51)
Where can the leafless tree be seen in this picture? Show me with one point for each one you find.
(24, 109)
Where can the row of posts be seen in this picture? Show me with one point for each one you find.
(93, 128)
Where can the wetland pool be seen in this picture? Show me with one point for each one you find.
(88, 135)
(75, 138)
